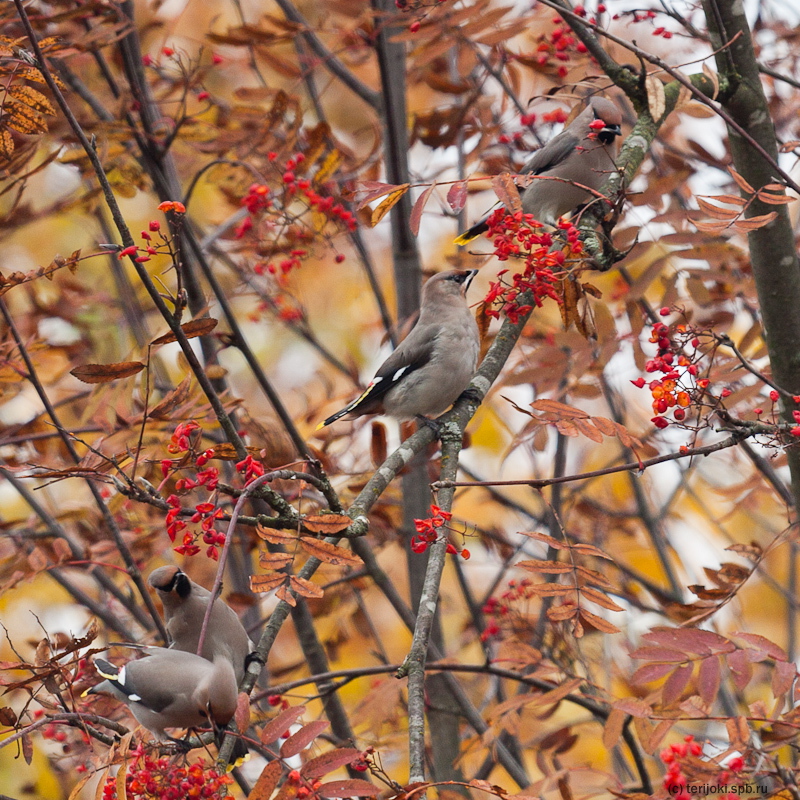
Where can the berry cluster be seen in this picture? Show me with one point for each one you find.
(682, 760)
(161, 779)
(679, 385)
(497, 608)
(559, 46)
(520, 236)
(160, 245)
(427, 532)
(206, 513)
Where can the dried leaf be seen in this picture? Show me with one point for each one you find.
(548, 567)
(505, 188)
(274, 561)
(191, 329)
(559, 409)
(741, 182)
(387, 204)
(105, 373)
(754, 223)
(330, 553)
(603, 600)
(612, 730)
(714, 78)
(265, 583)
(305, 588)
(327, 524)
(598, 622)
(378, 445)
(285, 593)
(276, 536)
(173, 399)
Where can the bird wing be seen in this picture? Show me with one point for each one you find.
(147, 694)
(413, 353)
(552, 154)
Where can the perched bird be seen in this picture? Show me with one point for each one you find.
(432, 366)
(172, 689)
(185, 603)
(583, 153)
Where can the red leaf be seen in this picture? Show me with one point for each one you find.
(351, 788)
(741, 668)
(277, 727)
(457, 196)
(762, 643)
(303, 738)
(651, 672)
(416, 211)
(708, 678)
(328, 762)
(676, 683)
(783, 677)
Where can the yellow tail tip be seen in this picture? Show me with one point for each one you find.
(464, 238)
(321, 425)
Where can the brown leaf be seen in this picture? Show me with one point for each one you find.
(27, 748)
(601, 599)
(754, 223)
(741, 182)
(548, 567)
(378, 445)
(298, 742)
(612, 730)
(267, 781)
(284, 593)
(328, 762)
(330, 553)
(349, 788)
(716, 212)
(305, 588)
(173, 399)
(104, 373)
(596, 621)
(265, 583)
(275, 728)
(416, 212)
(327, 524)
(505, 188)
(276, 536)
(274, 561)
(559, 409)
(192, 329)
(714, 78)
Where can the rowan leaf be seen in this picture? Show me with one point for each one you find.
(267, 781)
(330, 553)
(105, 373)
(505, 188)
(305, 588)
(457, 196)
(328, 762)
(387, 204)
(349, 788)
(298, 742)
(327, 524)
(675, 684)
(191, 329)
(266, 583)
(419, 206)
(277, 727)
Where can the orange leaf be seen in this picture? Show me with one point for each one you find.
(105, 373)
(741, 182)
(386, 205)
(561, 409)
(274, 561)
(602, 625)
(330, 553)
(305, 588)
(612, 730)
(275, 536)
(267, 781)
(328, 524)
(548, 567)
(265, 583)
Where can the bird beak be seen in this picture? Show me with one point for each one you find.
(468, 280)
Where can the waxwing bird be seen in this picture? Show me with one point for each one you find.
(172, 689)
(583, 153)
(432, 366)
(185, 603)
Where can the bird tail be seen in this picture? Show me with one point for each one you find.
(347, 409)
(472, 233)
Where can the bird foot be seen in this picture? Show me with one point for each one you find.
(435, 426)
